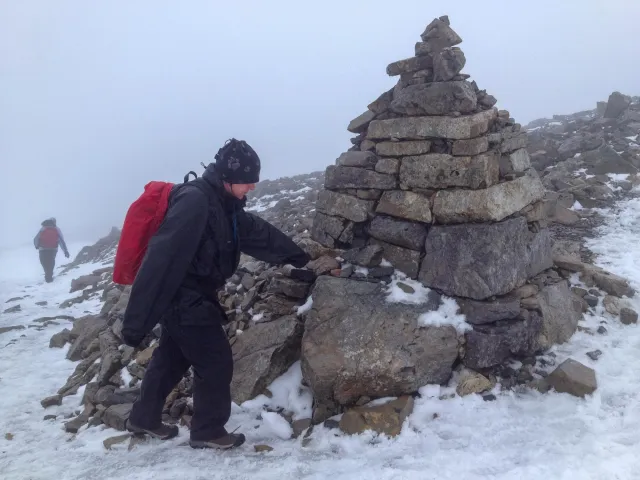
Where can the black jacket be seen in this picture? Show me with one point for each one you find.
(195, 250)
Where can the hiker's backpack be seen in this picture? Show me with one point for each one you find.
(141, 222)
(49, 238)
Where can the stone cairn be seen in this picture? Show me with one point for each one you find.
(441, 181)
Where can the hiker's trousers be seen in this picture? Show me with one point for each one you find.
(48, 262)
(207, 349)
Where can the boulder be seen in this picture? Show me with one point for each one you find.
(346, 206)
(360, 123)
(403, 149)
(440, 98)
(404, 259)
(87, 330)
(398, 232)
(518, 161)
(579, 143)
(617, 105)
(438, 35)
(481, 260)
(606, 160)
(354, 177)
(356, 344)
(480, 313)
(263, 353)
(574, 378)
(406, 205)
(327, 229)
(489, 204)
(419, 128)
(117, 415)
(472, 382)
(369, 256)
(447, 64)
(409, 65)
(628, 316)
(607, 281)
(357, 159)
(83, 282)
(472, 146)
(290, 287)
(436, 171)
(560, 316)
(388, 165)
(491, 345)
(386, 419)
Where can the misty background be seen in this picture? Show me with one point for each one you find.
(98, 98)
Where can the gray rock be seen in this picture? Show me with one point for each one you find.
(51, 401)
(518, 161)
(438, 35)
(403, 149)
(435, 99)
(617, 105)
(111, 357)
(591, 300)
(448, 63)
(439, 171)
(513, 141)
(594, 355)
(116, 416)
(323, 264)
(357, 159)
(356, 344)
(346, 206)
(488, 345)
(327, 229)
(87, 329)
(479, 313)
(418, 128)
(560, 316)
(290, 287)
(388, 165)
(353, 177)
(60, 339)
(482, 260)
(83, 282)
(398, 232)
(581, 142)
(409, 65)
(406, 205)
(405, 260)
(14, 309)
(628, 316)
(359, 124)
(369, 256)
(263, 353)
(574, 378)
(469, 147)
(490, 204)
(382, 103)
(605, 160)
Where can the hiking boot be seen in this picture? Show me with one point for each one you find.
(163, 432)
(230, 440)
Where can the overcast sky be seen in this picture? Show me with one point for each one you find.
(97, 98)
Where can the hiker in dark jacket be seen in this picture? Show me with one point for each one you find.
(47, 241)
(195, 250)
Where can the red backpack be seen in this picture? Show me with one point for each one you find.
(141, 222)
(49, 238)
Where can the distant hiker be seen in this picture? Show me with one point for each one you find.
(195, 249)
(46, 242)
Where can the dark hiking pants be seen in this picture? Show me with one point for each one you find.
(48, 262)
(207, 349)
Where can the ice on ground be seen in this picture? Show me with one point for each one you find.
(445, 315)
(277, 425)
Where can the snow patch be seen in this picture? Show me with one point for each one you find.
(395, 294)
(305, 307)
(445, 315)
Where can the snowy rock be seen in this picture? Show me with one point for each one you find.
(14, 309)
(263, 353)
(51, 401)
(607, 281)
(385, 419)
(628, 316)
(404, 259)
(472, 382)
(355, 344)
(574, 378)
(84, 281)
(85, 329)
(117, 415)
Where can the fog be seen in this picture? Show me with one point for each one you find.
(98, 98)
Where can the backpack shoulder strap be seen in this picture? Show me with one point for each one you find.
(186, 177)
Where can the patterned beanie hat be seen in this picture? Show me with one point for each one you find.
(237, 162)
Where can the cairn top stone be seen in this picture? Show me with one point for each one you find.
(439, 35)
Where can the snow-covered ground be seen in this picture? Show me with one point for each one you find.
(523, 435)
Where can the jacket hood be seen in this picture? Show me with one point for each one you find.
(214, 180)
(49, 222)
